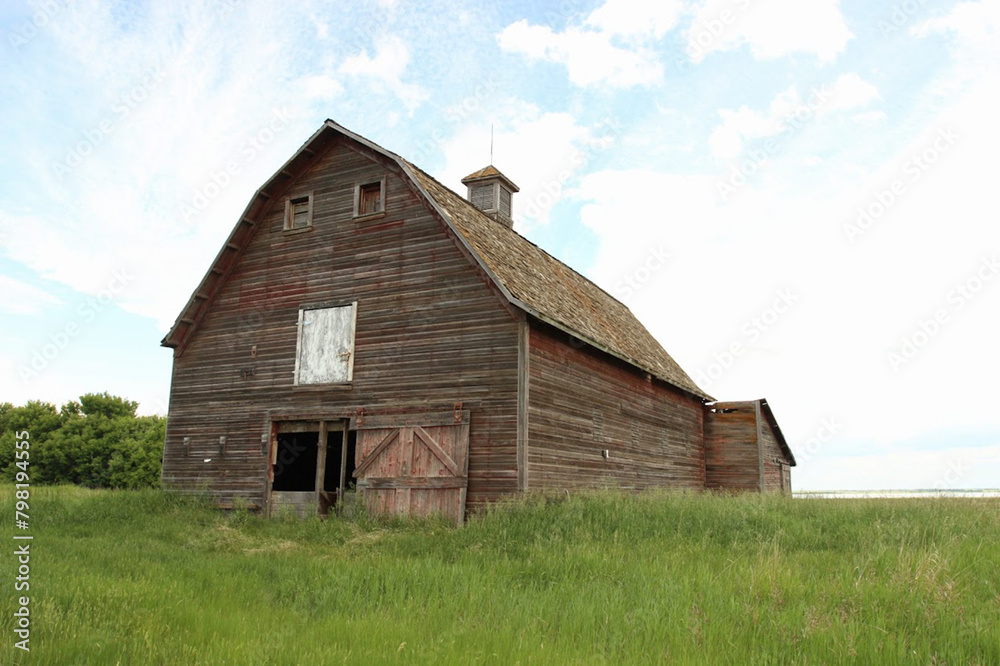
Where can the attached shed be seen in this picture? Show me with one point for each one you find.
(364, 328)
(745, 449)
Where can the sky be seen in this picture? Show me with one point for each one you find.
(797, 199)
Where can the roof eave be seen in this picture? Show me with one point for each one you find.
(704, 397)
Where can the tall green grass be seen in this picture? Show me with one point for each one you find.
(143, 577)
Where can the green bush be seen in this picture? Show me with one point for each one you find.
(98, 442)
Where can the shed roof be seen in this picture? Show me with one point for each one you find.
(529, 277)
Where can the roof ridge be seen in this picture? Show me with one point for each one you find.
(469, 205)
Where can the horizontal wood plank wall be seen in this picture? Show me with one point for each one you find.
(582, 402)
(772, 454)
(430, 332)
(731, 456)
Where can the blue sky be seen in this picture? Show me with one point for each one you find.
(797, 199)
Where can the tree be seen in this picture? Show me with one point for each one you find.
(110, 406)
(97, 442)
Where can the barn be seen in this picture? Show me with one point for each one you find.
(366, 329)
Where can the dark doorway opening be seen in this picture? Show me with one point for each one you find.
(338, 475)
(295, 463)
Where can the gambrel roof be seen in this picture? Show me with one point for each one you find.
(530, 278)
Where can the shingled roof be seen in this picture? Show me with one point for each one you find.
(554, 292)
(529, 277)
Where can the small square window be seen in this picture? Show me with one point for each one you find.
(298, 212)
(370, 198)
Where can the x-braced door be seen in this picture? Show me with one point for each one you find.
(414, 465)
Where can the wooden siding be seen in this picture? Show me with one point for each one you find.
(583, 402)
(774, 458)
(731, 454)
(430, 332)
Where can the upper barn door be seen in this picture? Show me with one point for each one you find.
(414, 465)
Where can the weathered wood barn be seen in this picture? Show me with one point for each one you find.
(364, 326)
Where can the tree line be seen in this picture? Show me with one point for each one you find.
(97, 442)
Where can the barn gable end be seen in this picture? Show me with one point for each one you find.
(430, 333)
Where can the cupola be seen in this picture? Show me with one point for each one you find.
(491, 192)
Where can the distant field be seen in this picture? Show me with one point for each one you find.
(140, 577)
(894, 494)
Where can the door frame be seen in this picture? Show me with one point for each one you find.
(323, 425)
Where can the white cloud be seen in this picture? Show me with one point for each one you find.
(613, 46)
(321, 87)
(974, 24)
(850, 91)
(636, 18)
(772, 29)
(17, 297)
(788, 110)
(387, 67)
(590, 57)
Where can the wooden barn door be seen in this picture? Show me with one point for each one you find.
(414, 465)
(786, 479)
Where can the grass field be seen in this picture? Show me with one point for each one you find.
(146, 578)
